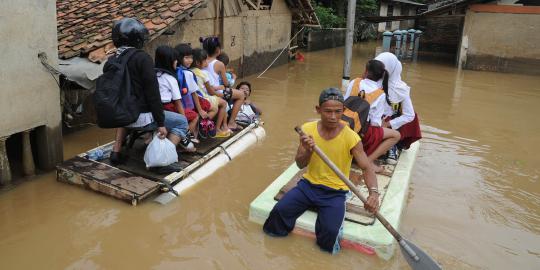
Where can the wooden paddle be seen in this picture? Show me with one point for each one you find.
(416, 257)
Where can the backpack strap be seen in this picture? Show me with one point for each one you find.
(356, 87)
(126, 55)
(371, 97)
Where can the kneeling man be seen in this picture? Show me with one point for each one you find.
(320, 187)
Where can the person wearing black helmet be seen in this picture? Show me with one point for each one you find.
(130, 34)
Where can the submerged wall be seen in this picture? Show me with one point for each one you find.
(320, 39)
(30, 97)
(501, 38)
(441, 35)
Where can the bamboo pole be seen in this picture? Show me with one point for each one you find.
(29, 168)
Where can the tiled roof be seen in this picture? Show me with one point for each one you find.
(84, 26)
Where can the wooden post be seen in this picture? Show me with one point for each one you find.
(411, 33)
(404, 47)
(387, 39)
(397, 36)
(5, 170)
(29, 168)
(416, 44)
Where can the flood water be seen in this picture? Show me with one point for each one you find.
(474, 198)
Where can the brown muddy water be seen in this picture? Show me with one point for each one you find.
(474, 198)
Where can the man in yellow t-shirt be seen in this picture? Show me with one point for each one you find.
(320, 187)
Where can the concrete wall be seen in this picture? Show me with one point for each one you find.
(513, 47)
(251, 38)
(29, 96)
(320, 39)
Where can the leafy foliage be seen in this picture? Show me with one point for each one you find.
(328, 18)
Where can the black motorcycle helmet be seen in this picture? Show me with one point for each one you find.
(129, 32)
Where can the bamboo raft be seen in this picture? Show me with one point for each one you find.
(132, 182)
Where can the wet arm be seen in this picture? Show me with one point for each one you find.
(195, 98)
(179, 107)
(304, 152)
(211, 89)
(363, 162)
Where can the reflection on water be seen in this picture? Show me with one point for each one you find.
(474, 200)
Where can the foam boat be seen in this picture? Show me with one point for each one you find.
(361, 230)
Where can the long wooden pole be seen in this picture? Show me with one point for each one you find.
(356, 191)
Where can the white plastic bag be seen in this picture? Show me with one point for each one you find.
(160, 152)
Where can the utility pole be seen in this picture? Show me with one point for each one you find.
(349, 40)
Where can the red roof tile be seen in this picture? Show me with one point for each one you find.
(84, 26)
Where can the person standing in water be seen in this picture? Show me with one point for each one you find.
(320, 187)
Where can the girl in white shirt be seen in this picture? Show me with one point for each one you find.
(377, 140)
(400, 109)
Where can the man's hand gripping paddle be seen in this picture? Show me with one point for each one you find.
(417, 258)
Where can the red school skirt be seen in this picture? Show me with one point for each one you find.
(410, 133)
(372, 138)
(170, 107)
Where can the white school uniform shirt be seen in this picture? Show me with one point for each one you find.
(191, 83)
(377, 108)
(398, 91)
(169, 90)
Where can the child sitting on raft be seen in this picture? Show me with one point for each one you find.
(399, 111)
(194, 106)
(231, 77)
(216, 70)
(377, 140)
(165, 66)
(248, 112)
(218, 105)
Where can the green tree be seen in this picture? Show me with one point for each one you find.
(328, 18)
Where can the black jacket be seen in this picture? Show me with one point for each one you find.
(145, 85)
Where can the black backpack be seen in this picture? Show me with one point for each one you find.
(114, 100)
(356, 114)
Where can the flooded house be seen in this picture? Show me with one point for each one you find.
(61, 53)
(252, 33)
(30, 126)
(388, 8)
(484, 35)
(476, 34)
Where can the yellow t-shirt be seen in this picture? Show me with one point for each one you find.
(338, 151)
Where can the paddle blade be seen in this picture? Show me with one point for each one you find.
(424, 262)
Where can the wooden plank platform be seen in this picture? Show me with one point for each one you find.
(355, 208)
(106, 179)
(130, 181)
(135, 162)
